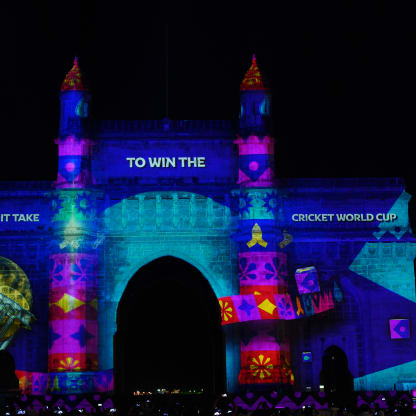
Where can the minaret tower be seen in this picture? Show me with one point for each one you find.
(74, 146)
(264, 349)
(73, 341)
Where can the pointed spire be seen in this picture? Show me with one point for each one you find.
(73, 80)
(253, 79)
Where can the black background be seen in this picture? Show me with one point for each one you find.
(341, 72)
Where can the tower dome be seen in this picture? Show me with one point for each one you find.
(252, 79)
(255, 103)
(73, 80)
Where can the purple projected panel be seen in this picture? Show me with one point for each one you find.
(307, 280)
(246, 306)
(399, 328)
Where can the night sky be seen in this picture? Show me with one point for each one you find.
(341, 73)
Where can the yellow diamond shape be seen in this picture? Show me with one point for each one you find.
(267, 306)
(68, 303)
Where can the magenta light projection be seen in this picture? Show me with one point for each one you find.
(399, 328)
(73, 327)
(307, 280)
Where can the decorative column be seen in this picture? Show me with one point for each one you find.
(72, 352)
(265, 355)
(263, 272)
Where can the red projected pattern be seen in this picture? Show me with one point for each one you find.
(73, 327)
(73, 313)
(253, 79)
(264, 304)
(73, 80)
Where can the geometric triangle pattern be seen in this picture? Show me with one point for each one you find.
(52, 337)
(73, 342)
(400, 225)
(82, 335)
(382, 379)
(261, 304)
(399, 328)
(67, 303)
(253, 166)
(76, 384)
(388, 271)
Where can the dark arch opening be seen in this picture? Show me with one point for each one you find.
(169, 331)
(336, 376)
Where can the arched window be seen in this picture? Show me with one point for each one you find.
(335, 374)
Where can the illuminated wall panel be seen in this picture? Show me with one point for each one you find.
(298, 265)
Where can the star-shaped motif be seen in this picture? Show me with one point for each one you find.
(82, 336)
(52, 337)
(246, 307)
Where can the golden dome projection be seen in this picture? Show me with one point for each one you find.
(15, 301)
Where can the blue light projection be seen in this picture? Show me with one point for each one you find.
(337, 253)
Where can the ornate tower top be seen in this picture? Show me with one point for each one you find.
(73, 80)
(253, 79)
(255, 103)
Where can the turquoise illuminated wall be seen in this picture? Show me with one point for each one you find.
(150, 225)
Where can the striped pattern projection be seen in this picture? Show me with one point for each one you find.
(268, 305)
(264, 361)
(256, 161)
(74, 170)
(73, 325)
(264, 352)
(35, 383)
(262, 267)
(73, 313)
(74, 148)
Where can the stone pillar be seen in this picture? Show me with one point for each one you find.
(73, 338)
(264, 350)
(73, 328)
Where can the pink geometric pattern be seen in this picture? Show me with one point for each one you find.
(263, 269)
(246, 307)
(68, 343)
(285, 307)
(66, 265)
(307, 280)
(322, 302)
(71, 146)
(264, 181)
(266, 306)
(73, 326)
(255, 145)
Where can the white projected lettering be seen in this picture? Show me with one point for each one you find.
(345, 217)
(166, 162)
(19, 217)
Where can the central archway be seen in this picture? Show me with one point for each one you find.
(169, 331)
